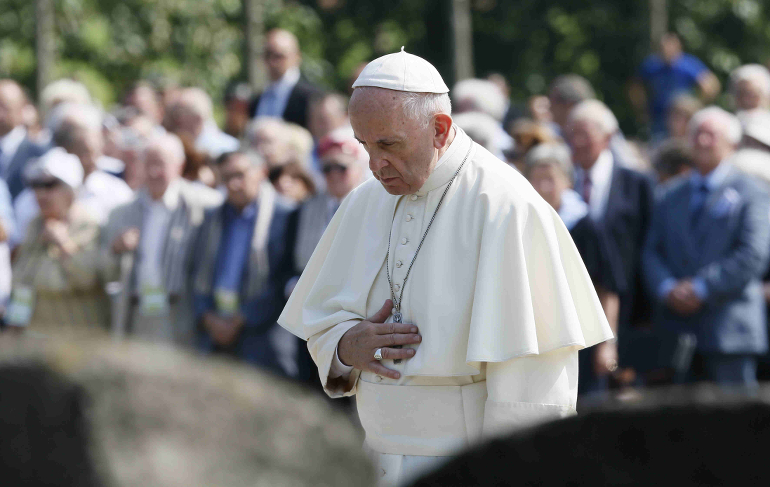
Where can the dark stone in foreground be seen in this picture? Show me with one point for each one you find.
(679, 437)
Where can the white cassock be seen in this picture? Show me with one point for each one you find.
(500, 295)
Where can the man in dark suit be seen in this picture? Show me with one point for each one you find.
(288, 93)
(243, 263)
(707, 251)
(620, 201)
(16, 149)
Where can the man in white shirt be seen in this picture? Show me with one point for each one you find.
(288, 94)
(486, 301)
(79, 132)
(15, 147)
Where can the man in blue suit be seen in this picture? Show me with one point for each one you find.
(620, 202)
(16, 149)
(243, 263)
(707, 251)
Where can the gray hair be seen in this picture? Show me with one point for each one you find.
(67, 118)
(550, 154)
(61, 91)
(572, 89)
(726, 121)
(596, 112)
(420, 106)
(198, 101)
(480, 127)
(754, 73)
(425, 106)
(480, 95)
(169, 144)
(253, 157)
(259, 124)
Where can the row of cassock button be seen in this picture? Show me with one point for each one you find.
(399, 263)
(404, 241)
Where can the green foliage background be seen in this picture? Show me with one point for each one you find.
(108, 44)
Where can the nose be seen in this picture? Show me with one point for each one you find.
(376, 163)
(234, 184)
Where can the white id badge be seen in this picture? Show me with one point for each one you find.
(226, 301)
(153, 301)
(22, 305)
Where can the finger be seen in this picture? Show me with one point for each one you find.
(383, 313)
(397, 353)
(396, 339)
(388, 328)
(379, 369)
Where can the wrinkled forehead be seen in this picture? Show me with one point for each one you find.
(371, 97)
(377, 109)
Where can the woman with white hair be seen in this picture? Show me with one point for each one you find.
(750, 87)
(549, 169)
(56, 275)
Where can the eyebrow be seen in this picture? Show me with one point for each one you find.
(392, 140)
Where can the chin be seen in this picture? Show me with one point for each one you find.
(396, 189)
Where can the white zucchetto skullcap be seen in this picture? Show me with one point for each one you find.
(57, 163)
(402, 71)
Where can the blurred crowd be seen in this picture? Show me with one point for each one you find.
(150, 221)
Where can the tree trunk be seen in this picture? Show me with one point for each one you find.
(254, 30)
(462, 31)
(658, 22)
(44, 42)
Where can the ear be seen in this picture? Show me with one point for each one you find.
(442, 128)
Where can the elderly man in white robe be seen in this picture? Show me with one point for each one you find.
(445, 294)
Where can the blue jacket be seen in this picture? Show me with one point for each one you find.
(727, 250)
(14, 172)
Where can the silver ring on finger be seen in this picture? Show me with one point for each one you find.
(378, 354)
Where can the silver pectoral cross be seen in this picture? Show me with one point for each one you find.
(397, 319)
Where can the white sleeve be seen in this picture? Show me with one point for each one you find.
(323, 349)
(526, 391)
(338, 369)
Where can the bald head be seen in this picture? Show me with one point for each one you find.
(281, 53)
(12, 103)
(191, 109)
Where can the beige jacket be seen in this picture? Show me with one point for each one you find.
(68, 290)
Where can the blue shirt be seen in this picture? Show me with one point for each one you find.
(711, 181)
(665, 81)
(235, 246)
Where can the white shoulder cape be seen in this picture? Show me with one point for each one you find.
(498, 276)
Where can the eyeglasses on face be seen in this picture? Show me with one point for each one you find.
(328, 168)
(46, 184)
(274, 55)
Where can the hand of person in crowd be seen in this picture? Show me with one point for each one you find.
(357, 346)
(606, 358)
(3, 234)
(223, 330)
(766, 289)
(56, 232)
(683, 299)
(127, 241)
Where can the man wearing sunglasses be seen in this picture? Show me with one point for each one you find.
(288, 93)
